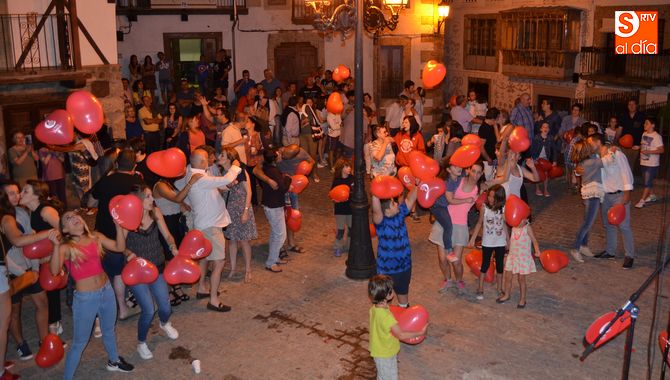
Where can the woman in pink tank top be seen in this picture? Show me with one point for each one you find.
(81, 250)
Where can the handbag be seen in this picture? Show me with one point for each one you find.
(18, 283)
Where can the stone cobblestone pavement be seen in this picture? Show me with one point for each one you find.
(310, 322)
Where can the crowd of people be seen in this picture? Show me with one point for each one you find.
(259, 139)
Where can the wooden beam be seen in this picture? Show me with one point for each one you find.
(33, 37)
(43, 76)
(88, 36)
(74, 22)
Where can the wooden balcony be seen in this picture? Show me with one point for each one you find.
(601, 64)
(133, 8)
(539, 64)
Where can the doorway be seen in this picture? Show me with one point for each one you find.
(481, 86)
(294, 61)
(25, 117)
(184, 50)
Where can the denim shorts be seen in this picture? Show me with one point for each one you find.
(292, 199)
(649, 174)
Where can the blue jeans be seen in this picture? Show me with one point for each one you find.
(624, 227)
(86, 306)
(590, 213)
(442, 216)
(145, 294)
(277, 224)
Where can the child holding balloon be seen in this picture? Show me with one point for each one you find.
(520, 262)
(384, 329)
(342, 210)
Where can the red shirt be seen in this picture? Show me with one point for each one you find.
(407, 145)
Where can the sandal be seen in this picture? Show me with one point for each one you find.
(521, 306)
(273, 269)
(179, 292)
(174, 301)
(296, 249)
(221, 308)
(502, 300)
(281, 262)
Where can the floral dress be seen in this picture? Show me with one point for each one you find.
(520, 259)
(235, 203)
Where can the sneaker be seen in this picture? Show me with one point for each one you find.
(640, 204)
(480, 296)
(651, 198)
(56, 328)
(627, 263)
(451, 257)
(24, 351)
(9, 376)
(584, 250)
(576, 255)
(170, 331)
(460, 286)
(121, 365)
(144, 351)
(445, 286)
(337, 253)
(539, 193)
(9, 364)
(604, 255)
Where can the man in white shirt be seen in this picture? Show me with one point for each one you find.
(232, 137)
(210, 216)
(618, 184)
(394, 114)
(462, 116)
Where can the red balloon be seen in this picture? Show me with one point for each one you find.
(373, 230)
(452, 101)
(51, 351)
(413, 319)
(139, 271)
(50, 282)
(471, 139)
(339, 193)
(304, 168)
(39, 249)
(481, 199)
(474, 262)
(465, 156)
(195, 245)
(556, 172)
(127, 211)
(662, 342)
(86, 111)
(293, 219)
(181, 270)
(516, 210)
(617, 327)
(432, 74)
(334, 104)
(518, 140)
(553, 260)
(341, 72)
(542, 174)
(298, 183)
(386, 187)
(569, 135)
(616, 214)
(429, 191)
(626, 141)
(57, 128)
(542, 164)
(168, 163)
(336, 76)
(422, 166)
(405, 176)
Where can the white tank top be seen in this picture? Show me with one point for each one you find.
(494, 233)
(167, 207)
(514, 183)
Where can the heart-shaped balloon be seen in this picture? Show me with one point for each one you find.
(465, 156)
(304, 168)
(181, 270)
(542, 164)
(334, 103)
(39, 249)
(298, 183)
(56, 129)
(168, 163)
(195, 245)
(621, 324)
(556, 172)
(516, 210)
(481, 199)
(422, 166)
(51, 351)
(86, 111)
(626, 141)
(471, 139)
(553, 260)
(616, 214)
(474, 261)
(293, 219)
(518, 140)
(412, 319)
(50, 282)
(662, 343)
(406, 177)
(127, 211)
(341, 72)
(339, 193)
(373, 230)
(386, 187)
(433, 73)
(139, 271)
(429, 191)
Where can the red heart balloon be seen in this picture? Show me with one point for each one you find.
(662, 342)
(127, 211)
(339, 193)
(86, 111)
(181, 270)
(293, 219)
(39, 249)
(556, 172)
(50, 282)
(553, 260)
(373, 230)
(168, 163)
(195, 245)
(405, 176)
(617, 327)
(471, 139)
(465, 156)
(56, 129)
(139, 271)
(341, 72)
(51, 351)
(429, 191)
(518, 140)
(304, 168)
(334, 103)
(386, 187)
(422, 166)
(413, 319)
(516, 210)
(616, 214)
(474, 262)
(432, 74)
(542, 164)
(480, 200)
(298, 183)
(626, 141)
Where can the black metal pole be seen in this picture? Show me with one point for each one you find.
(361, 260)
(628, 348)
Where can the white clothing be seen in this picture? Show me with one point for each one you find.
(232, 134)
(462, 116)
(616, 174)
(650, 141)
(334, 124)
(494, 229)
(514, 183)
(208, 207)
(394, 115)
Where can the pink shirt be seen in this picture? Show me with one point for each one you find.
(89, 266)
(459, 213)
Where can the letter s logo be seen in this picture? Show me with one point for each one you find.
(626, 23)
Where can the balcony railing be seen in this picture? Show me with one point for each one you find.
(51, 47)
(303, 15)
(542, 64)
(158, 7)
(646, 70)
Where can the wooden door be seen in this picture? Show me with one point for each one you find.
(391, 71)
(295, 61)
(25, 117)
(210, 43)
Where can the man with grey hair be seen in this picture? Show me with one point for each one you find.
(270, 83)
(210, 216)
(522, 115)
